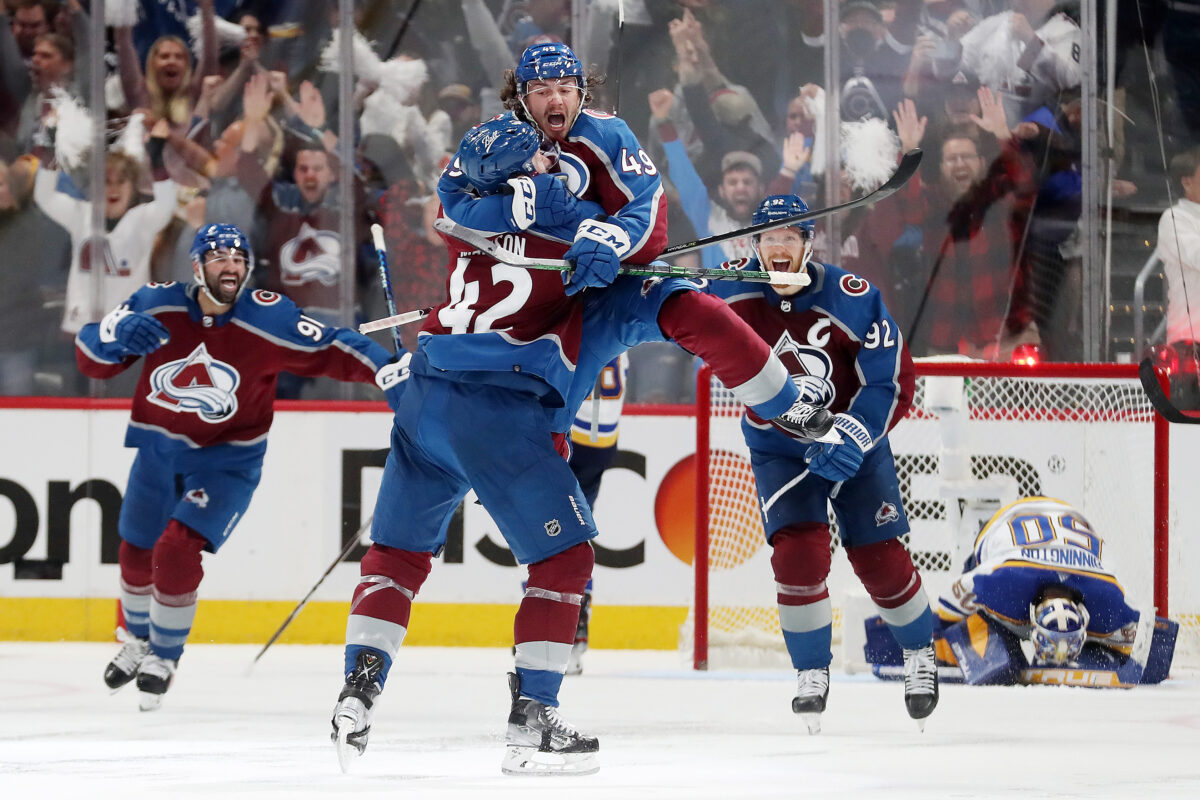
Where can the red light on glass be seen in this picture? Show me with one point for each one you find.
(1166, 358)
(1027, 355)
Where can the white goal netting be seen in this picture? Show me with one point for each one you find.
(978, 436)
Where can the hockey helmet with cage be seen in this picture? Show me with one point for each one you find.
(778, 207)
(1059, 630)
(545, 61)
(220, 236)
(496, 150)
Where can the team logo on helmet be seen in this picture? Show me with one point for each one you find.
(197, 384)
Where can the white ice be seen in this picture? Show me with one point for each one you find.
(665, 732)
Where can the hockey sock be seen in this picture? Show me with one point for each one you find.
(706, 326)
(382, 602)
(177, 574)
(136, 579)
(801, 559)
(546, 621)
(887, 573)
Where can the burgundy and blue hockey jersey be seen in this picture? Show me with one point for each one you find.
(838, 341)
(207, 395)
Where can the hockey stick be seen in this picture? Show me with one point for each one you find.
(395, 320)
(908, 165)
(385, 280)
(1148, 376)
(350, 545)
(480, 240)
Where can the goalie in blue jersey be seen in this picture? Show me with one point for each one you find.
(1037, 605)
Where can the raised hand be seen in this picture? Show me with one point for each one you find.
(991, 115)
(909, 127)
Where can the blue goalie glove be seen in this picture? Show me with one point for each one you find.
(137, 333)
(392, 377)
(596, 255)
(840, 461)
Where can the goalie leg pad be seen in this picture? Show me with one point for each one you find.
(986, 653)
(137, 575)
(546, 621)
(801, 560)
(887, 573)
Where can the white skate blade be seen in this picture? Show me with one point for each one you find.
(149, 702)
(921, 725)
(346, 752)
(812, 720)
(531, 761)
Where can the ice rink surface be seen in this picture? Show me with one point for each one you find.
(665, 732)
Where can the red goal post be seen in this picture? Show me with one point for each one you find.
(978, 433)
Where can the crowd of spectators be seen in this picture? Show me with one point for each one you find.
(227, 110)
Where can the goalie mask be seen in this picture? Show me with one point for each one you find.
(496, 150)
(779, 252)
(212, 242)
(1059, 630)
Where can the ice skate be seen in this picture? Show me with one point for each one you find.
(124, 666)
(806, 421)
(352, 715)
(812, 690)
(154, 677)
(920, 683)
(540, 742)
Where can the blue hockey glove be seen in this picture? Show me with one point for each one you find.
(596, 255)
(137, 333)
(554, 204)
(840, 461)
(392, 378)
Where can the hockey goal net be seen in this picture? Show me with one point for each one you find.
(979, 435)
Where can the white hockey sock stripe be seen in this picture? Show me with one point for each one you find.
(906, 613)
(135, 604)
(802, 619)
(548, 656)
(764, 386)
(377, 634)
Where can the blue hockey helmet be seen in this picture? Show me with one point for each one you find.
(782, 206)
(496, 150)
(1059, 630)
(545, 61)
(220, 236)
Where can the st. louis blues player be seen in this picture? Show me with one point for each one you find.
(1036, 574)
(201, 413)
(845, 353)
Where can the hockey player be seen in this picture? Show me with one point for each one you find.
(201, 413)
(512, 336)
(1035, 573)
(844, 352)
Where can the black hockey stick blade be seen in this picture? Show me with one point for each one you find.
(908, 165)
(1148, 376)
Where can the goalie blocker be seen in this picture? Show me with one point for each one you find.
(977, 651)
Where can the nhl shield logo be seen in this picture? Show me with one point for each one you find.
(886, 513)
(553, 528)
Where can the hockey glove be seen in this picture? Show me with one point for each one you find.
(596, 255)
(137, 333)
(392, 377)
(839, 462)
(544, 199)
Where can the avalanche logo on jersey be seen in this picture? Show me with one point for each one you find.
(197, 496)
(810, 368)
(198, 385)
(579, 178)
(886, 513)
(313, 256)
